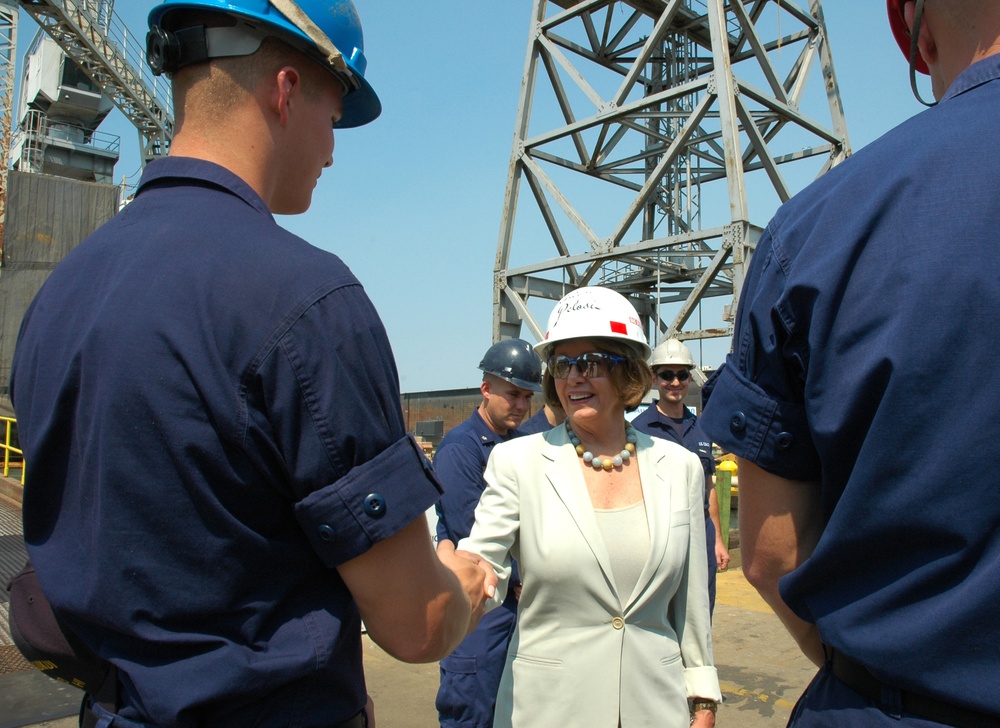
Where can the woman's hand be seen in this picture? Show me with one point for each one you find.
(704, 713)
(703, 719)
(475, 574)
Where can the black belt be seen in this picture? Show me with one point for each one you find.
(857, 677)
(91, 715)
(358, 721)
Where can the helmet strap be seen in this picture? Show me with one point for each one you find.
(914, 52)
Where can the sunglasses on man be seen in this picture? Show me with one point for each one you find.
(669, 375)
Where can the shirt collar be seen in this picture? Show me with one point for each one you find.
(980, 72)
(486, 435)
(190, 168)
(663, 418)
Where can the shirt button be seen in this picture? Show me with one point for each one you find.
(617, 622)
(738, 422)
(784, 440)
(326, 533)
(375, 505)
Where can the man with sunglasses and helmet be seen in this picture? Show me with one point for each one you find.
(221, 485)
(865, 519)
(669, 418)
(470, 676)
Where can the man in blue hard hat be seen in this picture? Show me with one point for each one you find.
(221, 486)
(470, 676)
(865, 520)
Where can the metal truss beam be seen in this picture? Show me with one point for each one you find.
(85, 30)
(649, 134)
(8, 49)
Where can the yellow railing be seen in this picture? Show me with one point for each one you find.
(9, 449)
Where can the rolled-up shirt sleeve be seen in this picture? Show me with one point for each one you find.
(754, 404)
(369, 504)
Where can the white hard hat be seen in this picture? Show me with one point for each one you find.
(594, 312)
(672, 351)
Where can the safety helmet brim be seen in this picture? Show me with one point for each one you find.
(672, 352)
(522, 383)
(361, 106)
(897, 22)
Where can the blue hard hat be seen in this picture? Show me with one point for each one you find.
(515, 361)
(338, 19)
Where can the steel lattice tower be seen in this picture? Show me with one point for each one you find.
(8, 48)
(656, 137)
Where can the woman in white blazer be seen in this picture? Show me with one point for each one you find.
(613, 624)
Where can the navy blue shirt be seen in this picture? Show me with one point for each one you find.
(863, 359)
(210, 414)
(460, 461)
(691, 436)
(538, 422)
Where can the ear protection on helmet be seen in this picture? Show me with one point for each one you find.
(166, 53)
(170, 50)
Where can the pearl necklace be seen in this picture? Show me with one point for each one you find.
(605, 463)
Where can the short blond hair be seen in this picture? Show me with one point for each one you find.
(220, 84)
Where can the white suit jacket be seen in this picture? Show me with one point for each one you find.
(577, 657)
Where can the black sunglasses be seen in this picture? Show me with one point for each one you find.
(590, 365)
(668, 375)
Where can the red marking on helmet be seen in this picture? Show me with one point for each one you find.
(617, 327)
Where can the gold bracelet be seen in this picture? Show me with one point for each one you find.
(704, 705)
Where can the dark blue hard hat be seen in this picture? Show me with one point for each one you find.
(515, 361)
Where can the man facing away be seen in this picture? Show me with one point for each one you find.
(669, 418)
(865, 519)
(220, 484)
(470, 676)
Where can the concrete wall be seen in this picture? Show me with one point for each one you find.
(46, 218)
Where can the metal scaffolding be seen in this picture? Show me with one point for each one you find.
(656, 137)
(8, 49)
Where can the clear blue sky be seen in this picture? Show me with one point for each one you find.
(413, 202)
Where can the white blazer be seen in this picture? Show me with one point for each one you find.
(576, 657)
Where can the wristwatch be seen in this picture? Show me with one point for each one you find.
(704, 705)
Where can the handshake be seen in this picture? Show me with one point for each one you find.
(476, 576)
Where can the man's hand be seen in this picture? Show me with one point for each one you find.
(721, 555)
(416, 605)
(370, 712)
(476, 576)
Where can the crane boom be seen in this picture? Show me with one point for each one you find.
(88, 33)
